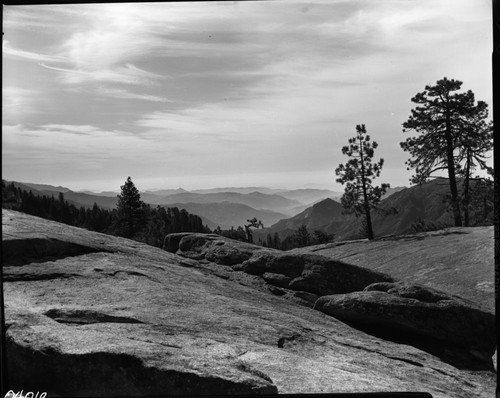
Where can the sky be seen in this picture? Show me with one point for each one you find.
(225, 94)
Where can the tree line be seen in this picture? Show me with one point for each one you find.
(301, 237)
(137, 220)
(132, 218)
(453, 136)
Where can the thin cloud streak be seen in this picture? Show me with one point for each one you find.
(126, 95)
(129, 74)
(9, 51)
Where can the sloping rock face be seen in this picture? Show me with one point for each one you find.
(427, 318)
(104, 316)
(459, 261)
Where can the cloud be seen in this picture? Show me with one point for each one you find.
(70, 129)
(80, 147)
(128, 74)
(19, 103)
(8, 50)
(107, 40)
(123, 94)
(15, 97)
(200, 87)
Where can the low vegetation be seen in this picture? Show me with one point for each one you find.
(300, 238)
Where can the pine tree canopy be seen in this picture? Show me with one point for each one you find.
(358, 173)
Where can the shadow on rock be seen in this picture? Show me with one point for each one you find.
(448, 327)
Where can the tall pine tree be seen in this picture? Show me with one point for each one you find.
(360, 196)
(129, 212)
(444, 121)
(475, 141)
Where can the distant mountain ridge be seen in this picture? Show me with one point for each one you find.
(257, 200)
(79, 199)
(306, 196)
(242, 190)
(421, 203)
(225, 208)
(325, 215)
(227, 215)
(46, 187)
(217, 206)
(165, 192)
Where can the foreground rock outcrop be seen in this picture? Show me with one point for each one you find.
(94, 315)
(452, 328)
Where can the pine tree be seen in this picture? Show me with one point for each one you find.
(321, 237)
(129, 210)
(482, 198)
(302, 237)
(360, 196)
(276, 241)
(475, 140)
(442, 120)
(269, 241)
(253, 223)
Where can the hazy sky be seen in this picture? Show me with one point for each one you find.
(234, 93)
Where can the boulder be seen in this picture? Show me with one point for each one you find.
(303, 272)
(118, 317)
(417, 315)
(311, 273)
(414, 291)
(279, 280)
(311, 297)
(171, 241)
(322, 276)
(210, 247)
(273, 262)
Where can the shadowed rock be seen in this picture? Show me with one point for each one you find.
(323, 276)
(279, 280)
(82, 317)
(417, 315)
(35, 250)
(303, 272)
(310, 273)
(211, 247)
(418, 292)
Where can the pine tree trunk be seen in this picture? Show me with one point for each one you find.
(485, 209)
(369, 229)
(466, 190)
(130, 223)
(451, 173)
